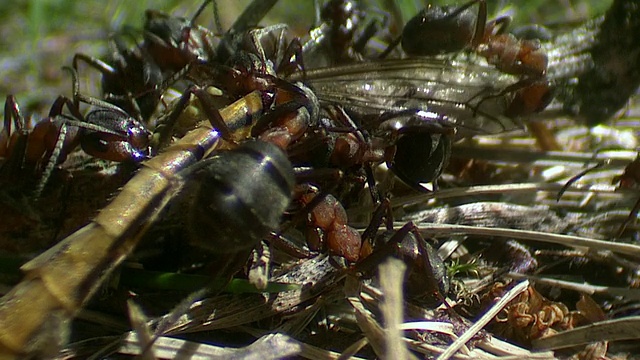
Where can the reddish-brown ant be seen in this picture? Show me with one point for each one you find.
(327, 226)
(348, 147)
(426, 280)
(131, 79)
(106, 132)
(23, 148)
(438, 30)
(334, 40)
(175, 42)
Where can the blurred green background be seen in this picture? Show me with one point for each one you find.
(38, 37)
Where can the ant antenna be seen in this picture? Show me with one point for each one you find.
(216, 17)
(578, 176)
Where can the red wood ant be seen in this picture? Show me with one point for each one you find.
(327, 225)
(334, 40)
(25, 149)
(340, 143)
(175, 42)
(282, 123)
(106, 132)
(439, 30)
(426, 280)
(131, 79)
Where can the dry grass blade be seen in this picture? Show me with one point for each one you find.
(273, 346)
(567, 240)
(392, 309)
(484, 320)
(141, 330)
(609, 330)
(626, 293)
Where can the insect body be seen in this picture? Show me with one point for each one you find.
(175, 42)
(250, 185)
(439, 30)
(425, 99)
(106, 132)
(61, 280)
(131, 79)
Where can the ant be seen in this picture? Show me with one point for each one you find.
(445, 29)
(175, 42)
(348, 147)
(439, 30)
(106, 132)
(133, 79)
(426, 280)
(250, 184)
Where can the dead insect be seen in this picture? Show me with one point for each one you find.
(62, 279)
(410, 102)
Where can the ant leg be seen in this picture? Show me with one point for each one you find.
(201, 9)
(579, 175)
(499, 25)
(291, 60)
(373, 28)
(392, 45)
(208, 107)
(13, 148)
(53, 160)
(256, 36)
(632, 216)
(481, 21)
(373, 187)
(95, 63)
(426, 277)
(57, 150)
(78, 98)
(382, 213)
